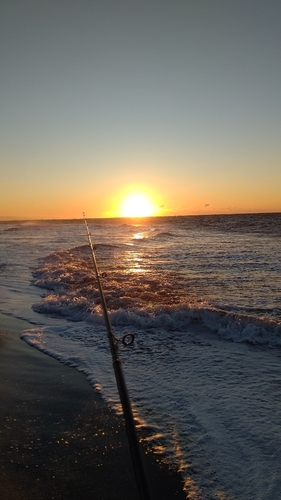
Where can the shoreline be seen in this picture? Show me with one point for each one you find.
(59, 440)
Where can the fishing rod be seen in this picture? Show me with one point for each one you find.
(134, 446)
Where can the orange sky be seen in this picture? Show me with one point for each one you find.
(168, 197)
(182, 103)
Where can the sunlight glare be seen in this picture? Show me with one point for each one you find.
(137, 205)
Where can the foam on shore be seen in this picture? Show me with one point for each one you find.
(58, 439)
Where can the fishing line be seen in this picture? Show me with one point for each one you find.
(134, 446)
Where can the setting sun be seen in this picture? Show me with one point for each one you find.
(137, 205)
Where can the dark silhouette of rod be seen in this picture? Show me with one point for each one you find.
(122, 389)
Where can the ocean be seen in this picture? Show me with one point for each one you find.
(202, 297)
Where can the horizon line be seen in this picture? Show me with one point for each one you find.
(23, 219)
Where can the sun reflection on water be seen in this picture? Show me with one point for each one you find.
(134, 262)
(138, 236)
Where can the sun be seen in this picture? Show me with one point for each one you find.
(137, 205)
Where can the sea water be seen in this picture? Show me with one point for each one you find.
(201, 295)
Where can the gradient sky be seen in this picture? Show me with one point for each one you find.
(178, 98)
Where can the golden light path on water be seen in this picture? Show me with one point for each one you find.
(134, 258)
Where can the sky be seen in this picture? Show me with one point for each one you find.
(179, 100)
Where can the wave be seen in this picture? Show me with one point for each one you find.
(86, 249)
(10, 229)
(143, 300)
(228, 325)
(165, 235)
(3, 266)
(238, 328)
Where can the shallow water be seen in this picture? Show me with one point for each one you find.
(202, 297)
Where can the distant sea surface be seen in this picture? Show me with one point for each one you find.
(202, 296)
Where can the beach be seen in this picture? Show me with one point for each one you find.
(58, 438)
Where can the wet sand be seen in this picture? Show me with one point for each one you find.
(58, 440)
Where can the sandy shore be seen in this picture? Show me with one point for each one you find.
(58, 439)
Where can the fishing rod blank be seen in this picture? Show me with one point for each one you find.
(122, 389)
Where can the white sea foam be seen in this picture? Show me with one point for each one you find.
(216, 404)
